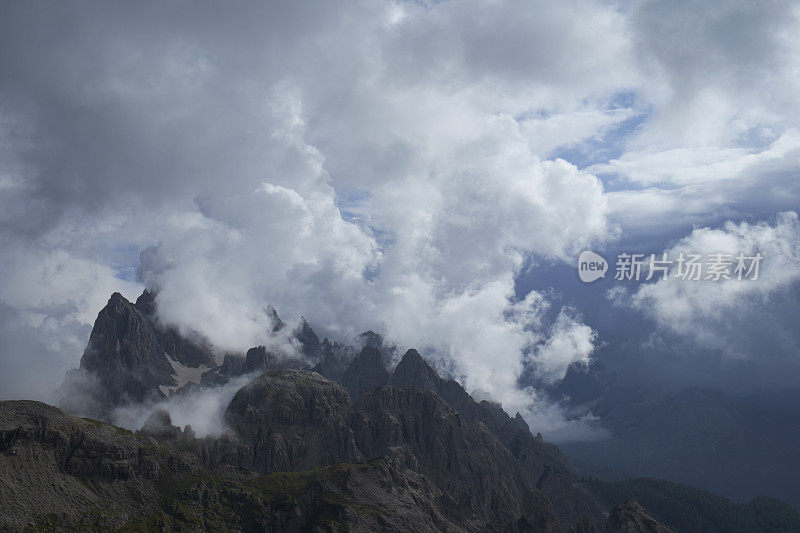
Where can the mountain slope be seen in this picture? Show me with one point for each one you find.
(60, 473)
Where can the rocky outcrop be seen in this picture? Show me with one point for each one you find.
(632, 518)
(159, 425)
(292, 420)
(46, 458)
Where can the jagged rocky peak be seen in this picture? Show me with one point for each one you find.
(540, 460)
(309, 341)
(522, 424)
(365, 373)
(256, 359)
(413, 371)
(130, 357)
(146, 303)
(260, 359)
(126, 355)
(370, 338)
(334, 360)
(274, 319)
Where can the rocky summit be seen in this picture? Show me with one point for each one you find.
(359, 449)
(131, 358)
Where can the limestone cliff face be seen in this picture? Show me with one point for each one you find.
(545, 467)
(293, 420)
(462, 458)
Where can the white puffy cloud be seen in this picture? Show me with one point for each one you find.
(729, 315)
(569, 341)
(374, 165)
(720, 139)
(441, 279)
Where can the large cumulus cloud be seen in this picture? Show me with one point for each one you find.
(362, 165)
(387, 165)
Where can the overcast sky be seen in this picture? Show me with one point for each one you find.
(427, 170)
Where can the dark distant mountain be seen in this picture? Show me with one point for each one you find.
(738, 447)
(691, 510)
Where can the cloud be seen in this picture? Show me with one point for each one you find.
(364, 166)
(732, 316)
(47, 306)
(720, 140)
(202, 408)
(383, 165)
(442, 278)
(568, 342)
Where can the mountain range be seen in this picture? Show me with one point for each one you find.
(328, 439)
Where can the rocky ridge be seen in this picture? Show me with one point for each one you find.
(408, 436)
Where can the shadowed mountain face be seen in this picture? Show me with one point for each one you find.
(59, 472)
(295, 420)
(365, 373)
(738, 447)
